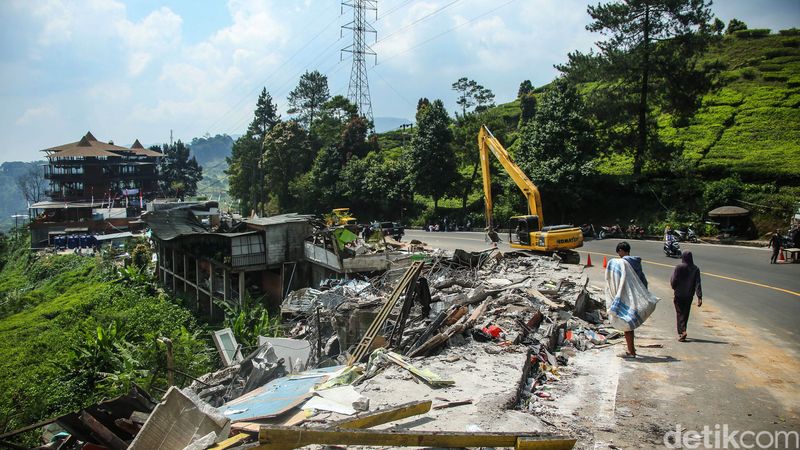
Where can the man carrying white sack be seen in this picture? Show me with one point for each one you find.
(630, 303)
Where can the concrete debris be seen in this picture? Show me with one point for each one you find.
(179, 421)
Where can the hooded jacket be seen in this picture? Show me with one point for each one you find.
(636, 264)
(685, 280)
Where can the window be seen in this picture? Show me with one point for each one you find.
(247, 245)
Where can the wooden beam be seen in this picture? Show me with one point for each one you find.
(230, 442)
(380, 417)
(272, 437)
(106, 436)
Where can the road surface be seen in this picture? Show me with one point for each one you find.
(742, 365)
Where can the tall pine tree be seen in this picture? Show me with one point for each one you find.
(648, 57)
(245, 168)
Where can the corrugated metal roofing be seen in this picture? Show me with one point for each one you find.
(279, 219)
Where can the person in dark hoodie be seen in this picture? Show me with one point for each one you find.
(624, 252)
(685, 282)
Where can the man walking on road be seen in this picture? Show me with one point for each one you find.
(685, 283)
(624, 252)
(775, 243)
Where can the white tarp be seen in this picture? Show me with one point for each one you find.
(630, 303)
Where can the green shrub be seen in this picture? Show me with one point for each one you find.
(749, 73)
(791, 43)
(141, 255)
(722, 192)
(778, 52)
(766, 67)
(775, 77)
(754, 33)
(793, 82)
(790, 32)
(250, 320)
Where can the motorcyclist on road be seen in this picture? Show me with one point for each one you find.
(670, 239)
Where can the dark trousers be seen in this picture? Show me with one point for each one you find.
(682, 308)
(774, 258)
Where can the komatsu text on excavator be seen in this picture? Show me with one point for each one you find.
(526, 232)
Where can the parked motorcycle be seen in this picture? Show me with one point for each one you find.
(686, 235)
(588, 230)
(614, 231)
(634, 231)
(672, 249)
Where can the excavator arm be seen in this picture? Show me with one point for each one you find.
(486, 143)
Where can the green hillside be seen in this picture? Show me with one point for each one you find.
(751, 125)
(74, 329)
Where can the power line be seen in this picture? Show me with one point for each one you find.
(249, 95)
(392, 87)
(423, 18)
(396, 8)
(447, 31)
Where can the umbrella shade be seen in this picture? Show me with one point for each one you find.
(728, 211)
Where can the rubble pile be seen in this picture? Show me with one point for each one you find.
(470, 339)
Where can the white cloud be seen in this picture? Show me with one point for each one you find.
(156, 34)
(56, 20)
(36, 114)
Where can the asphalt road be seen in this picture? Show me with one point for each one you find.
(740, 278)
(740, 365)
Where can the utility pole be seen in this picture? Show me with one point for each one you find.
(170, 138)
(358, 91)
(403, 133)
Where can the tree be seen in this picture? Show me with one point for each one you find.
(558, 146)
(265, 116)
(484, 99)
(470, 93)
(178, 173)
(433, 163)
(354, 138)
(652, 47)
(735, 25)
(333, 116)
(527, 106)
(307, 98)
(32, 185)
(246, 175)
(245, 169)
(718, 27)
(465, 142)
(287, 155)
(525, 88)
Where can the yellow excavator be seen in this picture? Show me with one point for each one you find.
(526, 232)
(340, 216)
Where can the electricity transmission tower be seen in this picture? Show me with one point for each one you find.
(358, 92)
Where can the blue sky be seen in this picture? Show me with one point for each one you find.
(138, 69)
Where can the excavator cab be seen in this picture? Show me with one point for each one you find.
(521, 227)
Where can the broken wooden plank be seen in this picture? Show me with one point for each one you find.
(477, 313)
(230, 442)
(272, 437)
(106, 436)
(457, 314)
(408, 280)
(426, 375)
(383, 416)
(453, 404)
(429, 345)
(539, 296)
